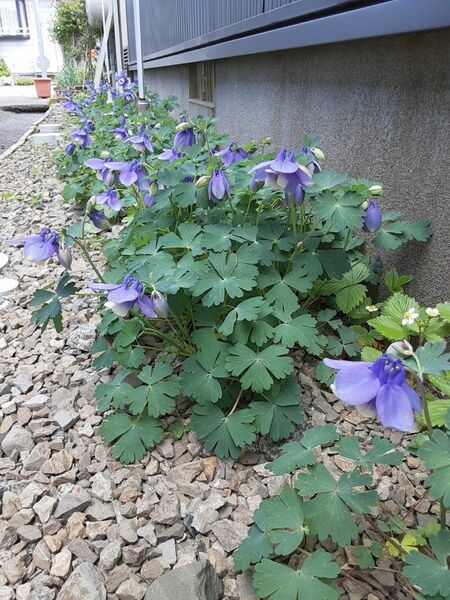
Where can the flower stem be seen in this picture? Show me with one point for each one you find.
(236, 403)
(293, 217)
(89, 259)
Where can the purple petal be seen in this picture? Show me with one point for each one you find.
(343, 364)
(97, 287)
(39, 250)
(146, 306)
(121, 294)
(414, 399)
(114, 202)
(394, 408)
(95, 163)
(356, 386)
(116, 165)
(127, 177)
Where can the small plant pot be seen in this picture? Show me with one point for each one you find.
(43, 87)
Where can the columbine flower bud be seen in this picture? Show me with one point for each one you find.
(160, 304)
(267, 141)
(318, 154)
(65, 257)
(364, 205)
(202, 181)
(91, 203)
(402, 348)
(183, 126)
(104, 154)
(372, 217)
(158, 126)
(376, 190)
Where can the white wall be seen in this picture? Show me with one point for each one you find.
(21, 54)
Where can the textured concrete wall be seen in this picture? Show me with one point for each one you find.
(381, 109)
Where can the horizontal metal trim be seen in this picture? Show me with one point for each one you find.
(389, 18)
(271, 18)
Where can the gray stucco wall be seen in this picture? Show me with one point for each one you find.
(381, 108)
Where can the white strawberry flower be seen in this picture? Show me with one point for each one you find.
(371, 308)
(432, 312)
(410, 316)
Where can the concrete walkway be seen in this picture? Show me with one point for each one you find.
(21, 98)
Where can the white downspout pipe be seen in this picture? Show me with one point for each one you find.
(39, 38)
(142, 102)
(118, 45)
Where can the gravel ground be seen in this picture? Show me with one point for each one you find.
(74, 523)
(13, 125)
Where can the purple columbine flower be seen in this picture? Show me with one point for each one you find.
(380, 386)
(38, 248)
(87, 124)
(170, 155)
(122, 297)
(298, 196)
(98, 219)
(121, 78)
(185, 138)
(140, 141)
(80, 137)
(372, 216)
(282, 173)
(109, 198)
(128, 95)
(232, 154)
(121, 132)
(72, 106)
(130, 173)
(313, 166)
(218, 186)
(130, 85)
(70, 149)
(102, 173)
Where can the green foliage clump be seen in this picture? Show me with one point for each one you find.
(4, 70)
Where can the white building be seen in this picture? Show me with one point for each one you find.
(18, 39)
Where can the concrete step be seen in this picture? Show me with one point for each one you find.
(46, 138)
(50, 128)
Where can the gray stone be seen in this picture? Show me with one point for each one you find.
(49, 128)
(110, 555)
(148, 533)
(127, 530)
(85, 583)
(29, 533)
(23, 381)
(130, 590)
(229, 534)
(59, 463)
(167, 512)
(66, 418)
(204, 517)
(36, 402)
(71, 503)
(168, 553)
(6, 593)
(40, 453)
(82, 337)
(44, 508)
(196, 581)
(18, 438)
(41, 592)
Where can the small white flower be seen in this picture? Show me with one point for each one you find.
(410, 316)
(371, 308)
(432, 312)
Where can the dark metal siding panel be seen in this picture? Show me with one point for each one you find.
(388, 18)
(131, 32)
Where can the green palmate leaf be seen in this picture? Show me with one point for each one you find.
(158, 397)
(131, 358)
(276, 581)
(301, 330)
(257, 544)
(299, 454)
(131, 437)
(223, 274)
(47, 312)
(128, 333)
(326, 181)
(349, 290)
(257, 370)
(438, 409)
(341, 211)
(259, 332)
(389, 328)
(441, 382)
(279, 412)
(190, 238)
(327, 512)
(363, 557)
(431, 576)
(347, 343)
(217, 237)
(324, 374)
(316, 260)
(444, 311)
(282, 291)
(395, 282)
(392, 235)
(114, 393)
(382, 452)
(247, 310)
(41, 296)
(435, 453)
(201, 373)
(222, 434)
(433, 358)
(284, 520)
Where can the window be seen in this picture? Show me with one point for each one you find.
(13, 19)
(201, 83)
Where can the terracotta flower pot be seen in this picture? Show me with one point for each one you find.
(43, 87)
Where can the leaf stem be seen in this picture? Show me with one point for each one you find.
(88, 259)
(236, 403)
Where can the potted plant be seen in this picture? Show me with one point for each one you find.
(43, 87)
